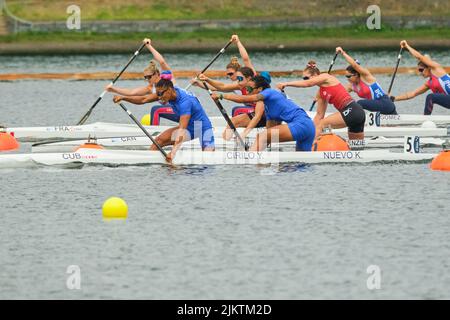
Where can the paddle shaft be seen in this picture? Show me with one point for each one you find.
(329, 70)
(227, 118)
(86, 116)
(212, 61)
(395, 71)
(143, 129)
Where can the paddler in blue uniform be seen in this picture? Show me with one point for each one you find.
(194, 123)
(298, 125)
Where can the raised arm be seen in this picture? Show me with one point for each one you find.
(316, 81)
(137, 99)
(238, 98)
(361, 70)
(199, 84)
(141, 91)
(220, 86)
(156, 55)
(243, 52)
(409, 95)
(422, 58)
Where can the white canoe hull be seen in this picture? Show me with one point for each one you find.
(376, 119)
(184, 157)
(143, 143)
(107, 130)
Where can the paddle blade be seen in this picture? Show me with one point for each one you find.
(84, 118)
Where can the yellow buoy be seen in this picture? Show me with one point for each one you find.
(146, 120)
(115, 208)
(441, 161)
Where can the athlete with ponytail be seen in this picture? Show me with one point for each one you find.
(350, 114)
(152, 74)
(438, 82)
(251, 114)
(365, 85)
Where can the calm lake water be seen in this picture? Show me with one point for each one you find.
(303, 232)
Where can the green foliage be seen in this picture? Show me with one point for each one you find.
(52, 10)
(268, 35)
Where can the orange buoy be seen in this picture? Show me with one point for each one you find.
(330, 142)
(8, 142)
(89, 145)
(441, 161)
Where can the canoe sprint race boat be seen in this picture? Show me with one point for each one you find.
(108, 130)
(187, 157)
(123, 136)
(143, 143)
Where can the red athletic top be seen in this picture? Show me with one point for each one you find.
(439, 85)
(362, 90)
(244, 92)
(369, 92)
(336, 95)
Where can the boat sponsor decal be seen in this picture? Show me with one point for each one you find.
(126, 139)
(244, 155)
(357, 144)
(390, 117)
(123, 139)
(62, 129)
(342, 155)
(374, 119)
(77, 156)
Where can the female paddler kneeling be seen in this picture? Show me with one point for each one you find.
(194, 123)
(350, 114)
(438, 82)
(298, 125)
(151, 75)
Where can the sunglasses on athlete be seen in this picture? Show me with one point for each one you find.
(421, 70)
(160, 93)
(149, 77)
(230, 74)
(306, 78)
(240, 78)
(348, 76)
